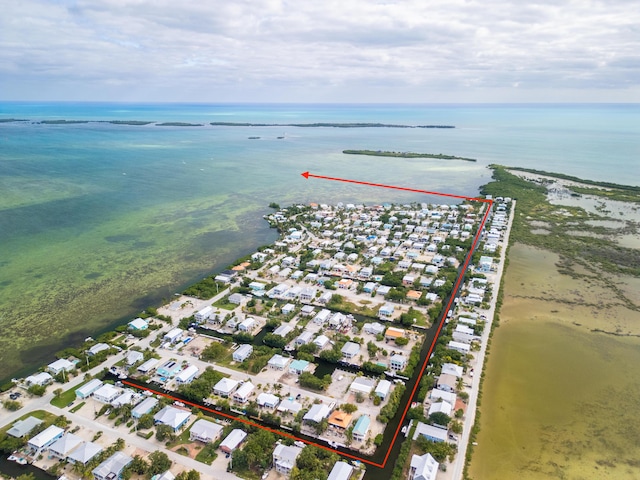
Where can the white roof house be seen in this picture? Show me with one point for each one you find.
(340, 471)
(144, 407)
(284, 458)
(374, 328)
(383, 388)
(172, 416)
(134, 356)
(173, 335)
(278, 362)
(386, 311)
(41, 378)
(187, 375)
(107, 393)
(244, 392)
(88, 388)
(350, 350)
(423, 467)
(85, 452)
(430, 432)
(289, 406)
(267, 400)
(321, 341)
(45, 438)
(63, 446)
(447, 382)
(126, 398)
(203, 315)
(317, 412)
(452, 369)
(205, 431)
(23, 427)
(440, 407)
(225, 386)
(148, 365)
(231, 442)
(437, 394)
(112, 467)
(397, 362)
(242, 353)
(304, 338)
(138, 324)
(459, 346)
(247, 325)
(362, 385)
(97, 348)
(59, 366)
(283, 330)
(322, 316)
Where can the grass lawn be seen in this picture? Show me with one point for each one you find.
(223, 304)
(67, 397)
(77, 407)
(207, 455)
(39, 414)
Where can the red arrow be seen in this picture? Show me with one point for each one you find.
(405, 189)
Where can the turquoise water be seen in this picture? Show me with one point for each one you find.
(98, 219)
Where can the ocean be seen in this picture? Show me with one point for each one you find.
(98, 221)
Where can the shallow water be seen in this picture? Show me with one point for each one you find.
(559, 401)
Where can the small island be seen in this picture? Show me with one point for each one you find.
(320, 125)
(179, 124)
(382, 153)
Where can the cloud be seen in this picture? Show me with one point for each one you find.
(345, 50)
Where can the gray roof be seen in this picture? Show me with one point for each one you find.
(174, 417)
(114, 464)
(340, 471)
(22, 427)
(64, 445)
(85, 452)
(205, 429)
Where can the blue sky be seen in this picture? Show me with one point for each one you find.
(416, 51)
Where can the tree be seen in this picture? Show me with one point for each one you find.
(440, 418)
(12, 405)
(159, 463)
(215, 351)
(348, 407)
(37, 390)
(145, 421)
(401, 341)
(456, 427)
(139, 465)
(164, 432)
(190, 475)
(119, 445)
(459, 413)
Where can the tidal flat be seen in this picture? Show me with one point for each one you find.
(561, 391)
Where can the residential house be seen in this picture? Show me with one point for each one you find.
(361, 428)
(44, 439)
(283, 330)
(447, 382)
(242, 352)
(464, 334)
(134, 356)
(174, 335)
(423, 467)
(23, 427)
(459, 346)
(59, 366)
(392, 333)
(205, 431)
(84, 453)
(267, 400)
(350, 350)
(284, 458)
(203, 315)
(363, 385)
(278, 362)
(187, 375)
(97, 348)
(288, 309)
(298, 366)
(414, 295)
(316, 413)
(383, 388)
(452, 369)
(386, 311)
(340, 471)
(340, 420)
(374, 328)
(41, 379)
(233, 440)
(308, 294)
(242, 394)
(107, 393)
(321, 341)
(86, 390)
(225, 387)
(304, 338)
(139, 324)
(125, 398)
(174, 417)
(430, 432)
(144, 407)
(148, 366)
(289, 406)
(398, 362)
(169, 369)
(322, 316)
(307, 310)
(247, 325)
(441, 407)
(442, 395)
(112, 467)
(63, 446)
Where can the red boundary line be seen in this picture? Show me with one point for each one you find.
(431, 347)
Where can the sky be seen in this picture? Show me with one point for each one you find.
(316, 51)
